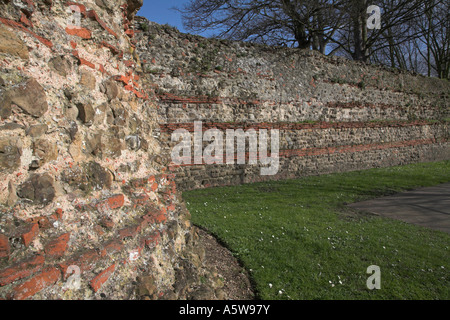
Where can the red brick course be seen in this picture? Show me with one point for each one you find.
(21, 270)
(37, 283)
(170, 127)
(20, 27)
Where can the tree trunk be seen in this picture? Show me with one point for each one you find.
(360, 32)
(302, 37)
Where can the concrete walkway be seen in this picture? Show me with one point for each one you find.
(427, 207)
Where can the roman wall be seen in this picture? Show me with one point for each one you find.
(333, 115)
(89, 209)
(90, 202)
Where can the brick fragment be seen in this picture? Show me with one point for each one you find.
(112, 48)
(57, 247)
(129, 232)
(17, 25)
(112, 247)
(25, 20)
(156, 216)
(4, 246)
(37, 283)
(153, 239)
(21, 270)
(124, 79)
(129, 33)
(85, 261)
(116, 201)
(141, 199)
(101, 278)
(59, 213)
(101, 68)
(107, 222)
(28, 233)
(128, 63)
(79, 32)
(86, 63)
(93, 15)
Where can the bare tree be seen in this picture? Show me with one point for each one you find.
(295, 23)
(434, 29)
(413, 34)
(421, 44)
(356, 41)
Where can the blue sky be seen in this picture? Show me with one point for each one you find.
(159, 11)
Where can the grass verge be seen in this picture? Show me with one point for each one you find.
(299, 240)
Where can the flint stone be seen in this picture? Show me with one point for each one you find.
(9, 154)
(38, 188)
(11, 44)
(28, 96)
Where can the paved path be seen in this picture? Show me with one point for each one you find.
(427, 207)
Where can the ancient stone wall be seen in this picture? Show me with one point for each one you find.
(333, 114)
(89, 97)
(88, 208)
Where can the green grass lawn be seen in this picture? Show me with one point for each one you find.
(299, 240)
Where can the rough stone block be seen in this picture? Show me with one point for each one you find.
(38, 188)
(30, 97)
(9, 154)
(11, 44)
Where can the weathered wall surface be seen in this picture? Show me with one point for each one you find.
(88, 192)
(333, 114)
(85, 194)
